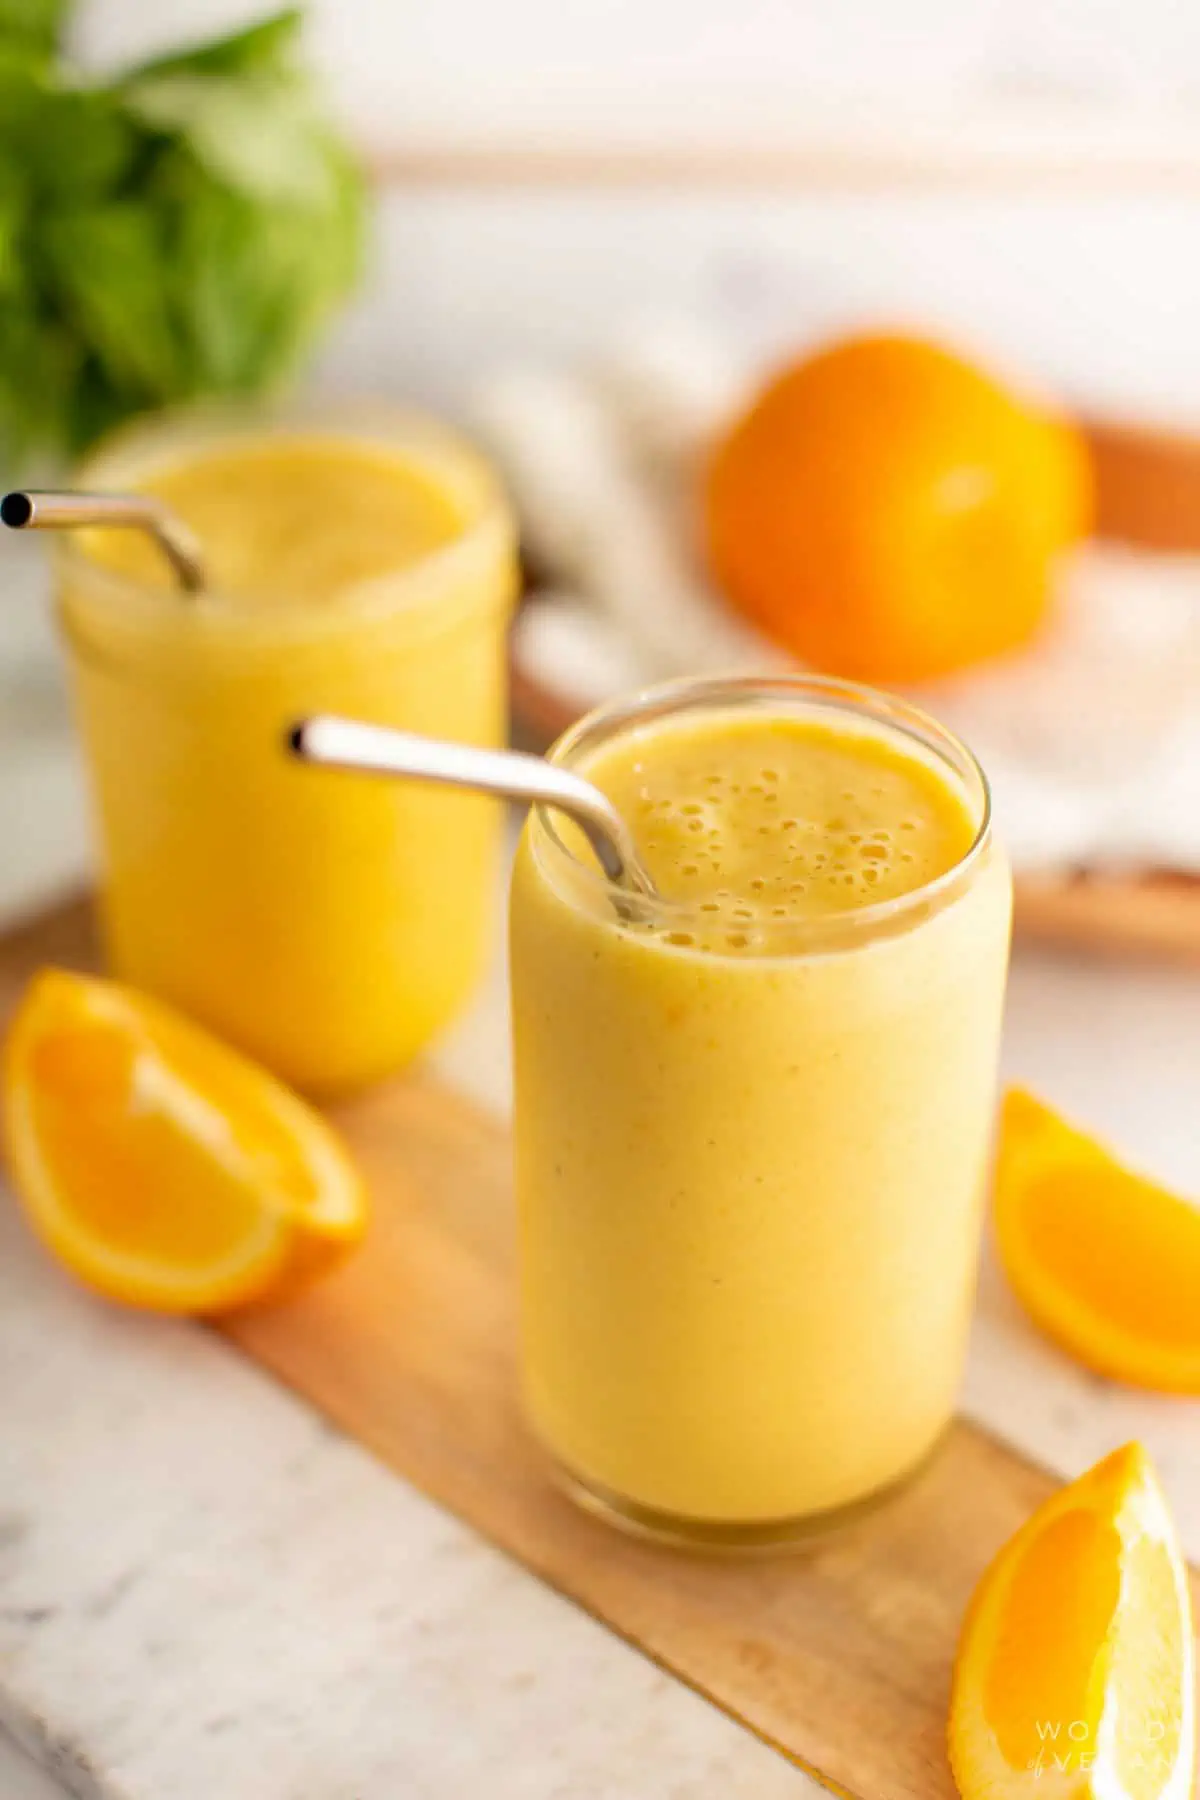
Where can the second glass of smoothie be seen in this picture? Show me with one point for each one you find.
(753, 1113)
(362, 561)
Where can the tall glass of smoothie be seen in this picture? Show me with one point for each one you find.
(753, 1112)
(361, 563)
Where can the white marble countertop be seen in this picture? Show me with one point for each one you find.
(204, 1590)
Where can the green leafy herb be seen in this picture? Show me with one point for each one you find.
(32, 26)
(265, 45)
(184, 230)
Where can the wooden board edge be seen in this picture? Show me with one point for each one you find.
(823, 165)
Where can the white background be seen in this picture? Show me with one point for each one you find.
(439, 70)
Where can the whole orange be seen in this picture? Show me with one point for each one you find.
(890, 512)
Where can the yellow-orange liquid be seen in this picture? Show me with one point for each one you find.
(751, 1139)
(327, 923)
(768, 821)
(292, 522)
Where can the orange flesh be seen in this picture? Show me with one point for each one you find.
(1131, 1249)
(120, 1132)
(1041, 1690)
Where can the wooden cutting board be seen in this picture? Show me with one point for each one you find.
(840, 1655)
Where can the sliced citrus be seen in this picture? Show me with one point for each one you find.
(1106, 1261)
(163, 1168)
(1074, 1675)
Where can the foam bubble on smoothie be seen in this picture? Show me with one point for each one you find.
(751, 821)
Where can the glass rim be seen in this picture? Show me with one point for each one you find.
(875, 706)
(173, 438)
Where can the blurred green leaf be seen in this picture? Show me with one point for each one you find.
(271, 43)
(38, 369)
(14, 280)
(65, 142)
(112, 278)
(33, 25)
(241, 272)
(259, 132)
(255, 282)
(94, 406)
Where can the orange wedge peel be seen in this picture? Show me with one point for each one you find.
(1105, 1260)
(162, 1168)
(1075, 1676)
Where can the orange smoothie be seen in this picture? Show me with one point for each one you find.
(753, 1115)
(327, 927)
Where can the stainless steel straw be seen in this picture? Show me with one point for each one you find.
(510, 774)
(35, 509)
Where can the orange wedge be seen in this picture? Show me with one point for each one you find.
(1074, 1675)
(163, 1169)
(1106, 1261)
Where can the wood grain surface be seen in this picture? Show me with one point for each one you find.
(899, 161)
(839, 1655)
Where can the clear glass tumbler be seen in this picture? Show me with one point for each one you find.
(750, 1182)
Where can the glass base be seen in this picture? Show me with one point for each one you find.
(718, 1537)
